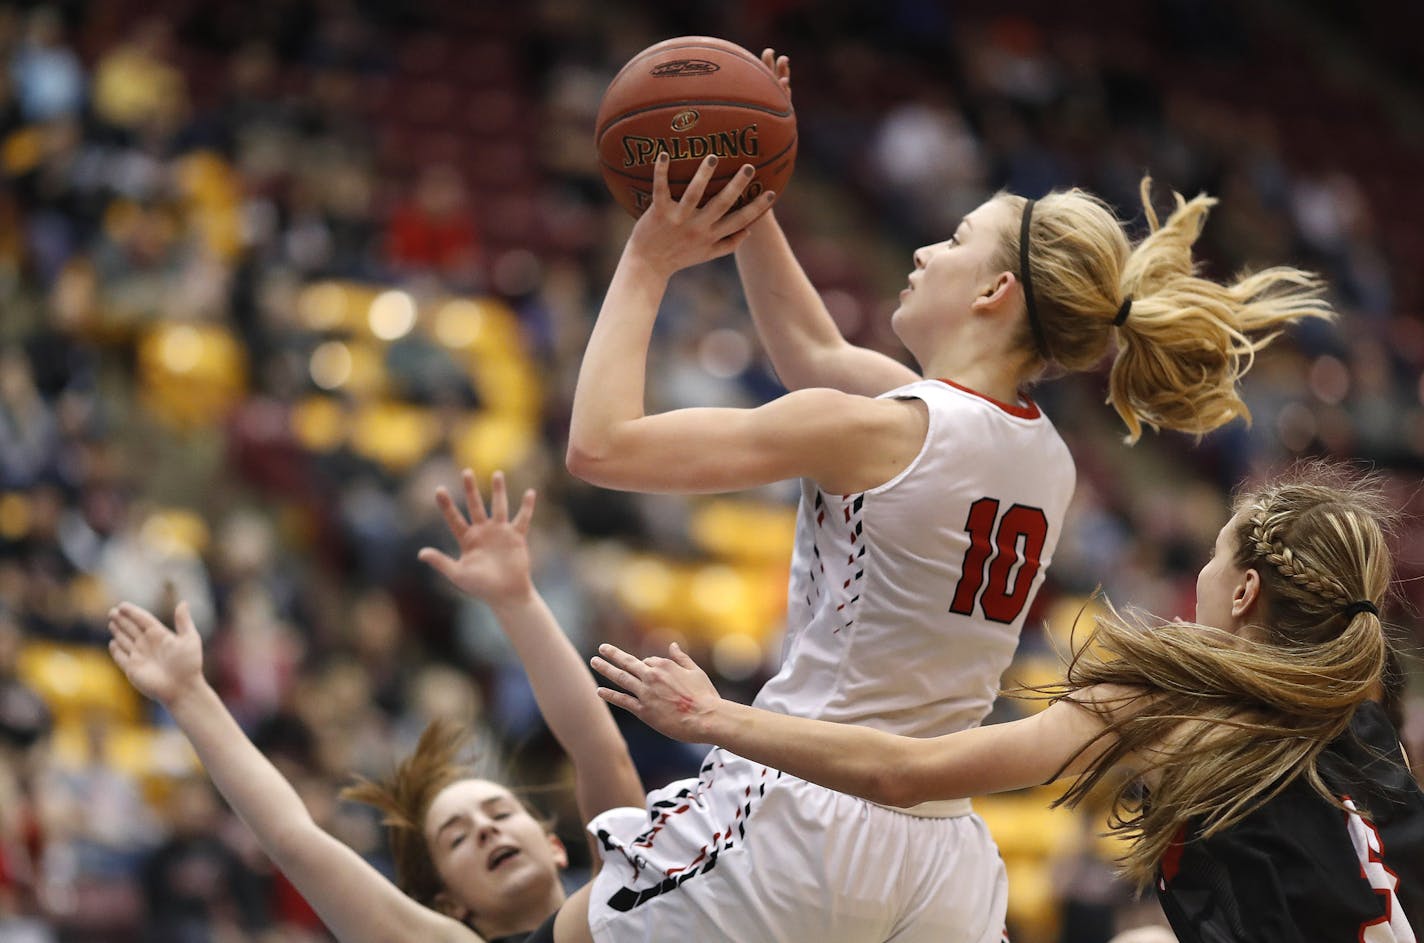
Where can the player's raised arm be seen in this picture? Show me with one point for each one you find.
(493, 565)
(615, 444)
(805, 345)
(674, 696)
(354, 900)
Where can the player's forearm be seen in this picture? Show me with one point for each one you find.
(247, 779)
(604, 775)
(563, 687)
(352, 899)
(858, 761)
(794, 325)
(612, 379)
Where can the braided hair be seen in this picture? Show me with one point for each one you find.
(1222, 721)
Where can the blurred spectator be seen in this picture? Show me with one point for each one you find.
(24, 723)
(197, 888)
(434, 229)
(930, 164)
(29, 433)
(137, 90)
(49, 81)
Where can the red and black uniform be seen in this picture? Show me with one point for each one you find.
(1301, 870)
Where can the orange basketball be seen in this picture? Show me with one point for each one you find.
(693, 96)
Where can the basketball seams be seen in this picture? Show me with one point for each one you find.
(744, 54)
(684, 105)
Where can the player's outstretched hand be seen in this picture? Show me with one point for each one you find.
(160, 662)
(780, 67)
(493, 562)
(674, 234)
(672, 695)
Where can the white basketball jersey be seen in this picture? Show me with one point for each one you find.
(906, 600)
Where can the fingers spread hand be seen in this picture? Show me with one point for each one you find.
(728, 196)
(661, 194)
(129, 626)
(120, 627)
(617, 698)
(526, 511)
(454, 520)
(473, 500)
(615, 674)
(626, 672)
(676, 653)
(183, 620)
(622, 659)
(697, 186)
(738, 220)
(499, 499)
(438, 562)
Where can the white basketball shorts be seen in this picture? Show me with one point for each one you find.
(748, 854)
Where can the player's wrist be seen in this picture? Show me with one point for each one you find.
(186, 693)
(514, 601)
(717, 722)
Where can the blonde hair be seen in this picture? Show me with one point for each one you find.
(1187, 339)
(1228, 722)
(405, 798)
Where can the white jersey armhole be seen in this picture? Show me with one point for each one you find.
(930, 431)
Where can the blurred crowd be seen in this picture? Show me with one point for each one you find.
(271, 272)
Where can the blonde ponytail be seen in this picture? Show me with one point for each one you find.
(1189, 340)
(1183, 341)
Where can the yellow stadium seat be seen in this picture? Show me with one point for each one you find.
(1033, 903)
(488, 441)
(744, 531)
(76, 682)
(393, 434)
(191, 375)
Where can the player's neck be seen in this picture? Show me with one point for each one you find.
(986, 376)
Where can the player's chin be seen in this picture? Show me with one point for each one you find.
(900, 320)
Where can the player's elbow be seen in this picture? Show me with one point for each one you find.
(889, 785)
(580, 459)
(901, 778)
(591, 462)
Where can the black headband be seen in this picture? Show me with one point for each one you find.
(1026, 274)
(1123, 312)
(1359, 606)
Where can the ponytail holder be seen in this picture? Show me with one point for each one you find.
(1123, 312)
(1359, 606)
(1026, 273)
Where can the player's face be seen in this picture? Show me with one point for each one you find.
(1220, 580)
(496, 860)
(948, 276)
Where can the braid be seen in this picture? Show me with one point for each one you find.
(1294, 569)
(1270, 546)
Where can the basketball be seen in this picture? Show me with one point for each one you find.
(690, 97)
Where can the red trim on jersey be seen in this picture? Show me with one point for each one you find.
(1029, 411)
(1171, 863)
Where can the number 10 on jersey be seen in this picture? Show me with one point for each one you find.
(1009, 548)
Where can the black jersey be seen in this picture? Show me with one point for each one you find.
(545, 933)
(1300, 870)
